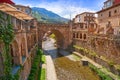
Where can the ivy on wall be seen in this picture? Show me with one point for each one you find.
(6, 36)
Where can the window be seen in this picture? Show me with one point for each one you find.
(87, 15)
(77, 35)
(109, 24)
(80, 36)
(81, 26)
(14, 22)
(12, 55)
(18, 8)
(109, 13)
(84, 36)
(115, 11)
(27, 11)
(79, 19)
(73, 35)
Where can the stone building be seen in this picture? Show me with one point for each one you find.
(23, 47)
(25, 9)
(84, 24)
(109, 18)
(105, 41)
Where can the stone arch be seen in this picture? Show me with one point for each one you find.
(80, 35)
(32, 40)
(73, 35)
(29, 42)
(77, 36)
(23, 47)
(35, 39)
(85, 36)
(59, 37)
(63, 29)
(14, 49)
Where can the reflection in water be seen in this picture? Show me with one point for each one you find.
(66, 68)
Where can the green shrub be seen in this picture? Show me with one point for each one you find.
(102, 75)
(35, 66)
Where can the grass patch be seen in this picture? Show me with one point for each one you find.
(43, 59)
(43, 74)
(42, 71)
(85, 50)
(35, 65)
(102, 75)
(94, 54)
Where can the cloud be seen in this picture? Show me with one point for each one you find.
(63, 8)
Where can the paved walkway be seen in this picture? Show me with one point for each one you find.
(115, 77)
(51, 73)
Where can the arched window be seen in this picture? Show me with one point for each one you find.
(34, 38)
(29, 43)
(109, 13)
(12, 54)
(77, 35)
(73, 35)
(80, 35)
(14, 50)
(84, 36)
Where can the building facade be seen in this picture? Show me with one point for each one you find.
(25, 9)
(103, 40)
(23, 47)
(109, 18)
(84, 24)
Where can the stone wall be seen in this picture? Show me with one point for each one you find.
(107, 49)
(25, 71)
(106, 46)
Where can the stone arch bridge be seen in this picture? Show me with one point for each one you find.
(61, 31)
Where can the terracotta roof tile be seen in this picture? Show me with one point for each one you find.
(9, 9)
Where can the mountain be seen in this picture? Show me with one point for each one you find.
(46, 16)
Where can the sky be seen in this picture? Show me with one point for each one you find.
(65, 8)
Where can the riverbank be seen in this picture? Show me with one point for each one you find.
(69, 67)
(100, 67)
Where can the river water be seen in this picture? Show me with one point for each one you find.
(68, 67)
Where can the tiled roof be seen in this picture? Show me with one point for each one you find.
(9, 9)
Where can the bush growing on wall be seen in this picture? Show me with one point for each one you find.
(35, 65)
(6, 36)
(102, 75)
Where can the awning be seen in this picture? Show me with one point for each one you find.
(7, 8)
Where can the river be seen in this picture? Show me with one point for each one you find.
(68, 67)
